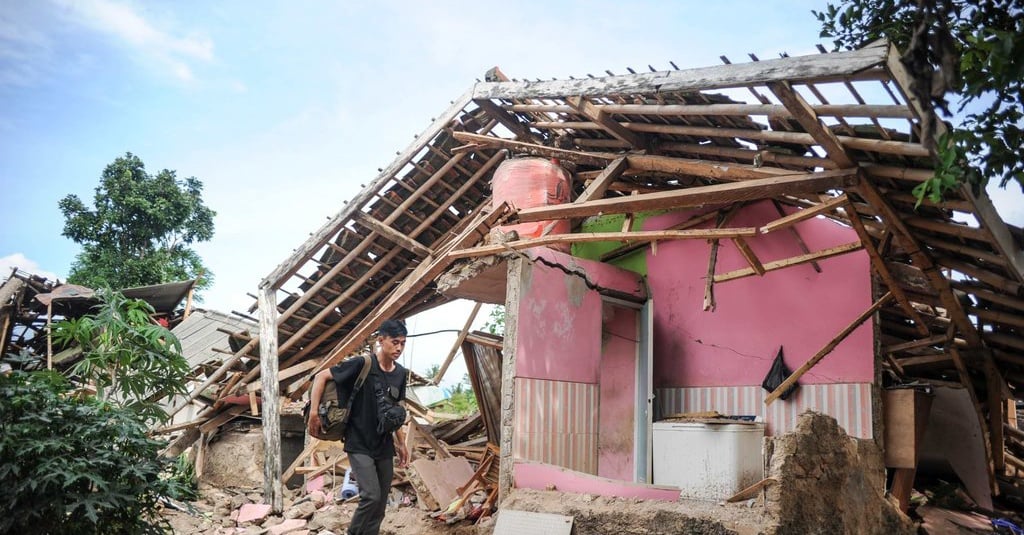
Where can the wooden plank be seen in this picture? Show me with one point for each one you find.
(804, 214)
(792, 261)
(508, 120)
(613, 128)
(689, 223)
(796, 234)
(716, 194)
(751, 491)
(876, 111)
(307, 452)
(637, 162)
(221, 418)
(393, 235)
(921, 260)
(914, 344)
(811, 362)
(597, 188)
(804, 114)
(588, 237)
(881, 146)
(443, 477)
(749, 255)
(455, 347)
(287, 373)
(273, 490)
(800, 68)
(215, 376)
(878, 263)
(418, 279)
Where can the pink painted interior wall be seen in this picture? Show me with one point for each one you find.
(559, 316)
(617, 393)
(794, 307)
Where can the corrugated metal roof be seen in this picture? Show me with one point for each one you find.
(199, 334)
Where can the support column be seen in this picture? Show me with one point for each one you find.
(272, 490)
(517, 268)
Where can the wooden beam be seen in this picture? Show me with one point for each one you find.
(616, 130)
(508, 120)
(914, 344)
(749, 255)
(799, 68)
(804, 214)
(811, 362)
(921, 260)
(645, 236)
(391, 234)
(804, 114)
(876, 111)
(637, 162)
(272, 487)
(215, 376)
(792, 261)
(287, 373)
(883, 271)
(689, 223)
(416, 281)
(455, 347)
(599, 186)
(698, 196)
(796, 234)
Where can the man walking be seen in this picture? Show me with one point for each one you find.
(374, 431)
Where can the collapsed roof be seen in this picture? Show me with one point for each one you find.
(840, 135)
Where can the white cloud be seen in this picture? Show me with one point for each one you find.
(20, 261)
(121, 22)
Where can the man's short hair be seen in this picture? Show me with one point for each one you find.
(392, 329)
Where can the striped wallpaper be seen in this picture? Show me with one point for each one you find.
(849, 404)
(556, 423)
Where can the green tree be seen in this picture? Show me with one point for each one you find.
(495, 323)
(131, 361)
(969, 49)
(140, 229)
(77, 465)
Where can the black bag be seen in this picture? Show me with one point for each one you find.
(777, 375)
(390, 414)
(334, 417)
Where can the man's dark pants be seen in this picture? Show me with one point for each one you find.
(374, 480)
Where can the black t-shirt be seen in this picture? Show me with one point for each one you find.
(361, 435)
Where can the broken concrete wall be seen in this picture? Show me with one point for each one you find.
(828, 482)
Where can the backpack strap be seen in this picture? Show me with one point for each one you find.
(363, 372)
(367, 360)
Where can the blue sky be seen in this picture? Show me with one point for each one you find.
(283, 109)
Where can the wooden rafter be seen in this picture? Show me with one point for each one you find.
(717, 194)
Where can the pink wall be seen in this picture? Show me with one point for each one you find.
(794, 307)
(617, 393)
(559, 317)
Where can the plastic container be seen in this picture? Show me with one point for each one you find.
(708, 461)
(348, 487)
(531, 183)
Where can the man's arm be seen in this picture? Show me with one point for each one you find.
(403, 452)
(315, 393)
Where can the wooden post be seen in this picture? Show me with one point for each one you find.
(49, 334)
(272, 490)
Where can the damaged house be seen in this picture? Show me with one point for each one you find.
(714, 251)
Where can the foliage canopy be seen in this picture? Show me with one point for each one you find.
(973, 49)
(140, 229)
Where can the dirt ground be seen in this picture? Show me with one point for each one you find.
(216, 512)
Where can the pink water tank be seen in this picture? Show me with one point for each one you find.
(530, 183)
